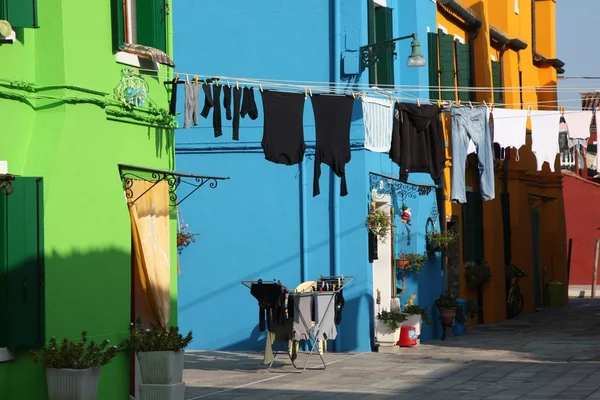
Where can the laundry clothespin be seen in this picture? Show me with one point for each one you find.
(237, 85)
(458, 102)
(196, 79)
(176, 78)
(391, 100)
(305, 92)
(470, 104)
(562, 110)
(418, 102)
(260, 87)
(310, 92)
(439, 103)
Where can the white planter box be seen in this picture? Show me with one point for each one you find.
(73, 384)
(175, 391)
(384, 336)
(161, 367)
(414, 320)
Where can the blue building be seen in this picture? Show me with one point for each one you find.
(265, 223)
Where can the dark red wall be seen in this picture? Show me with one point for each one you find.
(582, 211)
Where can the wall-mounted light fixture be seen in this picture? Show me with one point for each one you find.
(369, 54)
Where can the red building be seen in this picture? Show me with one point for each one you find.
(581, 196)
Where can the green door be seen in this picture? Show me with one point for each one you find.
(535, 231)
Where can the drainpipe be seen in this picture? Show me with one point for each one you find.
(335, 190)
(303, 224)
(472, 68)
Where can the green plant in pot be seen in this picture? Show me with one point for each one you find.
(392, 319)
(73, 367)
(379, 223)
(471, 308)
(414, 309)
(438, 242)
(477, 273)
(160, 354)
(411, 262)
(448, 306)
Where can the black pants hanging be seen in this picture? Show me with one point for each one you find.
(333, 116)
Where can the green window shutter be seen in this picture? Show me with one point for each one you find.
(118, 23)
(3, 11)
(463, 66)
(151, 23)
(384, 31)
(498, 96)
(434, 67)
(24, 262)
(447, 70)
(21, 13)
(3, 270)
(473, 228)
(371, 28)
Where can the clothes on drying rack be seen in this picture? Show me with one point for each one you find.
(339, 306)
(269, 296)
(325, 315)
(302, 316)
(333, 116)
(417, 141)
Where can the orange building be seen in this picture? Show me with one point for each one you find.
(498, 46)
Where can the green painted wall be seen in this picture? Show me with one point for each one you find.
(76, 146)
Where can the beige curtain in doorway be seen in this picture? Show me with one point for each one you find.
(151, 246)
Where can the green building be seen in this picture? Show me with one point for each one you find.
(68, 134)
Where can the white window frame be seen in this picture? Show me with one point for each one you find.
(443, 28)
(517, 7)
(131, 37)
(381, 3)
(460, 39)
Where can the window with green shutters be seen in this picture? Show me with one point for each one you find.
(498, 95)
(19, 13)
(22, 265)
(473, 228)
(447, 69)
(380, 22)
(463, 70)
(434, 66)
(140, 22)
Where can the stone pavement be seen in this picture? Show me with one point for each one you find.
(554, 354)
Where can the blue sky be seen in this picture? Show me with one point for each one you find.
(577, 38)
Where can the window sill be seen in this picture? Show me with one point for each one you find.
(132, 60)
(6, 354)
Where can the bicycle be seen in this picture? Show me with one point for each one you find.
(515, 300)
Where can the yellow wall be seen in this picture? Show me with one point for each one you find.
(523, 177)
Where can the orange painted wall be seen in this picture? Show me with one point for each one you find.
(523, 177)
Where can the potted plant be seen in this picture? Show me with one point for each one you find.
(184, 238)
(477, 273)
(73, 368)
(415, 315)
(161, 356)
(441, 242)
(411, 262)
(379, 223)
(448, 306)
(388, 327)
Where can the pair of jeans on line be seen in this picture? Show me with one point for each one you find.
(473, 124)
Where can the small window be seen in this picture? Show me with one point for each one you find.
(381, 29)
(140, 22)
(19, 13)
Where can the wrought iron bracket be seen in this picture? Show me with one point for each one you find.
(6, 184)
(537, 200)
(173, 179)
(385, 185)
(370, 54)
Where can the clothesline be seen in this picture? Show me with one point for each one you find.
(356, 85)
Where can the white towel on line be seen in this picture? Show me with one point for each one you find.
(510, 127)
(578, 124)
(545, 126)
(378, 117)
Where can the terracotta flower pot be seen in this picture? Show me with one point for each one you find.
(402, 263)
(447, 315)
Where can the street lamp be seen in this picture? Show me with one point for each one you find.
(370, 54)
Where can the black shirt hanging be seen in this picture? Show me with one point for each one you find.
(333, 116)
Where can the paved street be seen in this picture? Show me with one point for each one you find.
(554, 354)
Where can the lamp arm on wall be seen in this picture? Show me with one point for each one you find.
(369, 54)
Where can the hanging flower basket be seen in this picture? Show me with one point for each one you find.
(411, 262)
(438, 242)
(184, 237)
(379, 223)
